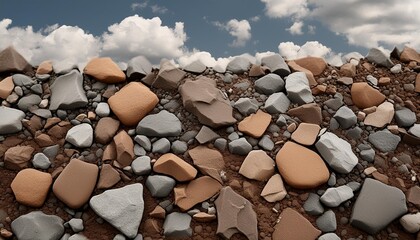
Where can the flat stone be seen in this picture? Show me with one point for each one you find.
(76, 182)
(141, 165)
(175, 167)
(206, 135)
(144, 142)
(162, 145)
(44, 67)
(309, 113)
(381, 117)
(276, 64)
(31, 187)
(209, 161)
(238, 65)
(298, 90)
(17, 157)
(405, 117)
(255, 124)
(256, 71)
(67, 92)
(277, 103)
(196, 191)
(64, 67)
(195, 67)
(138, 67)
(314, 64)
(269, 84)
(246, 106)
(32, 226)
(169, 76)
(301, 167)
(235, 214)
(411, 222)
(286, 228)
(336, 152)
(266, 143)
(122, 208)
(124, 148)
(28, 101)
(333, 197)
(345, 80)
(11, 120)
(80, 136)
(177, 225)
(306, 133)
(384, 140)
(377, 206)
(327, 222)
(160, 186)
(23, 81)
(162, 124)
(132, 103)
(240, 146)
(409, 54)
(365, 96)
(104, 70)
(257, 165)
(6, 87)
(105, 130)
(379, 58)
(313, 205)
(108, 177)
(274, 189)
(202, 98)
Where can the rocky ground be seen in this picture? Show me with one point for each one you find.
(270, 150)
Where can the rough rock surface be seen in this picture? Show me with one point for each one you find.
(365, 96)
(67, 92)
(238, 65)
(309, 113)
(17, 157)
(6, 87)
(208, 161)
(12, 61)
(257, 165)
(177, 225)
(31, 187)
(333, 197)
(384, 140)
(124, 148)
(345, 117)
(34, 224)
(298, 90)
(314, 64)
(105, 130)
(276, 64)
(175, 167)
(306, 133)
(162, 124)
(274, 190)
(255, 124)
(286, 228)
(104, 70)
(381, 117)
(169, 76)
(269, 84)
(138, 67)
(378, 57)
(80, 136)
(277, 103)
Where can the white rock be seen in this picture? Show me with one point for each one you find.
(10, 120)
(298, 90)
(80, 135)
(411, 222)
(333, 197)
(382, 116)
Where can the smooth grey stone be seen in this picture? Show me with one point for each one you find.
(138, 237)
(81, 135)
(41, 161)
(141, 165)
(405, 117)
(266, 143)
(51, 151)
(238, 65)
(139, 151)
(206, 135)
(67, 92)
(233, 136)
(377, 206)
(161, 146)
(179, 147)
(77, 236)
(327, 222)
(159, 185)
(355, 186)
(99, 85)
(66, 236)
(64, 67)
(187, 136)
(332, 180)
(329, 236)
(276, 64)
(195, 67)
(384, 140)
(43, 113)
(334, 103)
(76, 224)
(138, 67)
(333, 197)
(313, 205)
(345, 117)
(32, 226)
(119, 237)
(415, 130)
(368, 155)
(42, 77)
(122, 208)
(10, 120)
(177, 225)
(22, 80)
(277, 103)
(240, 146)
(220, 144)
(297, 88)
(396, 69)
(246, 106)
(379, 58)
(28, 101)
(269, 84)
(37, 88)
(144, 142)
(61, 114)
(354, 133)
(162, 124)
(102, 109)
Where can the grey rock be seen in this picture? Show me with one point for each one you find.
(141, 165)
(269, 84)
(177, 225)
(77, 236)
(354, 133)
(67, 92)
(76, 224)
(159, 185)
(355, 186)
(28, 101)
(238, 65)
(64, 67)
(162, 124)
(377, 206)
(405, 117)
(327, 222)
(80, 135)
(169, 76)
(179, 147)
(281, 121)
(66, 236)
(233, 136)
(336, 152)
(333, 197)
(384, 140)
(329, 236)
(43, 113)
(276, 64)
(37, 88)
(138, 237)
(240, 147)
(379, 58)
(298, 90)
(122, 208)
(161, 146)
(188, 136)
(277, 103)
(51, 151)
(415, 130)
(42, 77)
(41, 161)
(368, 155)
(102, 109)
(10, 120)
(246, 106)
(32, 226)
(334, 103)
(119, 237)
(396, 69)
(266, 143)
(332, 180)
(139, 151)
(206, 135)
(345, 117)
(372, 80)
(144, 142)
(195, 67)
(313, 205)
(138, 67)
(22, 80)
(220, 144)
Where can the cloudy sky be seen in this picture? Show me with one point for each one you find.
(207, 30)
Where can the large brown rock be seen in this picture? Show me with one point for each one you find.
(31, 187)
(196, 191)
(203, 99)
(6, 87)
(408, 54)
(12, 61)
(294, 226)
(309, 113)
(301, 167)
(365, 96)
(297, 68)
(255, 124)
(314, 64)
(172, 165)
(208, 161)
(124, 148)
(169, 76)
(76, 183)
(132, 103)
(17, 158)
(105, 130)
(104, 70)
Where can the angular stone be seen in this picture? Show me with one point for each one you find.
(17, 158)
(298, 90)
(138, 67)
(365, 96)
(379, 58)
(345, 117)
(314, 64)
(309, 75)
(105, 130)
(276, 64)
(235, 214)
(257, 165)
(405, 117)
(313, 205)
(274, 190)
(169, 76)
(255, 124)
(206, 135)
(11, 120)
(162, 124)
(286, 228)
(381, 117)
(177, 225)
(160, 186)
(269, 84)
(80, 136)
(277, 103)
(31, 187)
(309, 113)
(195, 67)
(196, 191)
(238, 65)
(348, 70)
(34, 224)
(377, 206)
(306, 133)
(132, 102)
(240, 146)
(175, 167)
(67, 92)
(300, 167)
(256, 71)
(246, 106)
(122, 208)
(12, 61)
(409, 54)
(384, 140)
(333, 197)
(415, 130)
(45, 67)
(327, 222)
(413, 196)
(108, 177)
(208, 161)
(6, 87)
(125, 148)
(104, 70)
(76, 182)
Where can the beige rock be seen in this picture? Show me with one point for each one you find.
(408, 54)
(208, 161)
(257, 165)
(108, 177)
(6, 87)
(348, 70)
(370, 110)
(306, 133)
(418, 83)
(369, 170)
(175, 167)
(314, 64)
(12, 61)
(255, 124)
(297, 68)
(204, 217)
(413, 196)
(345, 80)
(158, 212)
(381, 117)
(411, 222)
(110, 153)
(104, 70)
(43, 140)
(31, 187)
(256, 71)
(169, 76)
(105, 130)
(361, 116)
(198, 190)
(383, 81)
(291, 127)
(309, 113)
(125, 148)
(368, 66)
(17, 158)
(319, 89)
(364, 96)
(286, 228)
(274, 190)
(301, 167)
(45, 67)
(76, 183)
(132, 103)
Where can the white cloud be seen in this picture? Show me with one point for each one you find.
(255, 18)
(313, 48)
(137, 5)
(241, 30)
(286, 8)
(296, 28)
(158, 9)
(311, 29)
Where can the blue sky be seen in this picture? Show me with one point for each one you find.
(221, 27)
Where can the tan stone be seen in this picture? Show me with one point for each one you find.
(104, 70)
(274, 190)
(348, 70)
(319, 89)
(31, 187)
(345, 80)
(108, 177)
(110, 153)
(208, 161)
(255, 124)
(133, 102)
(383, 81)
(256, 71)
(306, 133)
(297, 68)
(418, 83)
(105, 130)
(125, 148)
(17, 158)
(364, 96)
(301, 167)
(198, 190)
(380, 177)
(169, 76)
(309, 113)
(43, 140)
(291, 127)
(368, 66)
(45, 67)
(204, 217)
(314, 64)
(172, 165)
(76, 183)
(6, 87)
(12, 61)
(257, 165)
(413, 196)
(381, 117)
(294, 226)
(408, 54)
(158, 212)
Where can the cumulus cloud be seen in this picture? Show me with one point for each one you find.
(312, 48)
(296, 28)
(241, 30)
